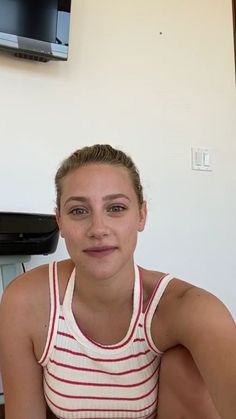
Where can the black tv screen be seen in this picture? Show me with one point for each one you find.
(36, 29)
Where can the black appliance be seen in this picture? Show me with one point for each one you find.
(27, 234)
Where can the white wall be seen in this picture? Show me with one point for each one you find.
(154, 78)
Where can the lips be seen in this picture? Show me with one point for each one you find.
(100, 251)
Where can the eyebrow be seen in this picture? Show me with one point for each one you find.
(105, 198)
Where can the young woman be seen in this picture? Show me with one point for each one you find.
(87, 334)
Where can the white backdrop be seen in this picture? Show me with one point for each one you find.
(154, 78)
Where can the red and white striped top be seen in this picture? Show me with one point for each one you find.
(84, 379)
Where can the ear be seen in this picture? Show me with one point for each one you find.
(143, 216)
(58, 219)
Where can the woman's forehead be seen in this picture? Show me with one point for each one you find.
(98, 177)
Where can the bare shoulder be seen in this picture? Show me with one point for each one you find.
(174, 291)
(184, 312)
(167, 308)
(22, 289)
(207, 316)
(201, 305)
(33, 286)
(25, 304)
(21, 300)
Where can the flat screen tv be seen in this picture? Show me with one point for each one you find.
(234, 23)
(35, 29)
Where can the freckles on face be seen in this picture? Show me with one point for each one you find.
(99, 207)
(101, 196)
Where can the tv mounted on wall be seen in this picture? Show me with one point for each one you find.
(35, 29)
(234, 23)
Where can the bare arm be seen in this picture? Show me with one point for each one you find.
(22, 375)
(204, 326)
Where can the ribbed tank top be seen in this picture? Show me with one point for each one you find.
(84, 379)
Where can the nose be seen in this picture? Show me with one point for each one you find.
(98, 228)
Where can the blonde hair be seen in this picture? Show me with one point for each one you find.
(98, 153)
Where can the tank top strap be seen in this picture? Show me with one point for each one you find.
(151, 308)
(68, 296)
(54, 313)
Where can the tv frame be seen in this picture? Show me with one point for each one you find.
(234, 29)
(34, 49)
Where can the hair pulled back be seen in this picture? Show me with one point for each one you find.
(98, 153)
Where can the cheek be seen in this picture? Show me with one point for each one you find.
(71, 233)
(130, 233)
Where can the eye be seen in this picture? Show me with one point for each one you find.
(116, 208)
(78, 211)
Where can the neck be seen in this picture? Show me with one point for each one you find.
(99, 292)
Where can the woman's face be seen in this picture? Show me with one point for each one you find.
(100, 218)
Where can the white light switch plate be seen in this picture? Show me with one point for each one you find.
(201, 159)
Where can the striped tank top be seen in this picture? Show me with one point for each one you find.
(84, 379)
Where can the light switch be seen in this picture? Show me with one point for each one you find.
(201, 159)
(206, 158)
(198, 158)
